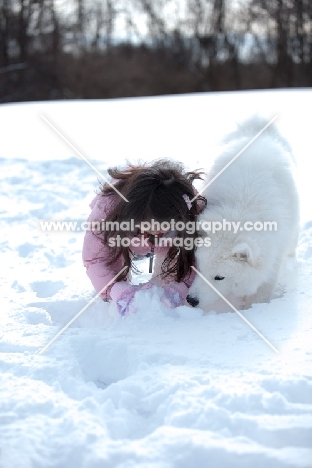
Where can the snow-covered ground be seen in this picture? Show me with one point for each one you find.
(159, 388)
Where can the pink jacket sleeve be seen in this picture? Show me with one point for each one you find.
(95, 254)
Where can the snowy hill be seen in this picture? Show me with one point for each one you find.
(160, 388)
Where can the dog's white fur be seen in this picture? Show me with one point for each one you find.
(258, 186)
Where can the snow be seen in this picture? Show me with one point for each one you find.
(160, 388)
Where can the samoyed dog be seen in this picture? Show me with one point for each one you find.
(251, 218)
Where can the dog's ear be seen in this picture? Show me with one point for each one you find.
(243, 252)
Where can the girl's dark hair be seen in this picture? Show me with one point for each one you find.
(154, 191)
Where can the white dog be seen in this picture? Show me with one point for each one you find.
(243, 260)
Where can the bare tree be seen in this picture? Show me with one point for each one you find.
(78, 48)
(4, 31)
(286, 27)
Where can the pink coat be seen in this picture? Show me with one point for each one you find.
(95, 253)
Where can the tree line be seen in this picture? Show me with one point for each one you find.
(58, 49)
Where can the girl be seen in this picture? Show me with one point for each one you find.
(137, 215)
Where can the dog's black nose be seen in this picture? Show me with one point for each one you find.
(192, 301)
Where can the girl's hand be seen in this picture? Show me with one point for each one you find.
(123, 293)
(174, 294)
